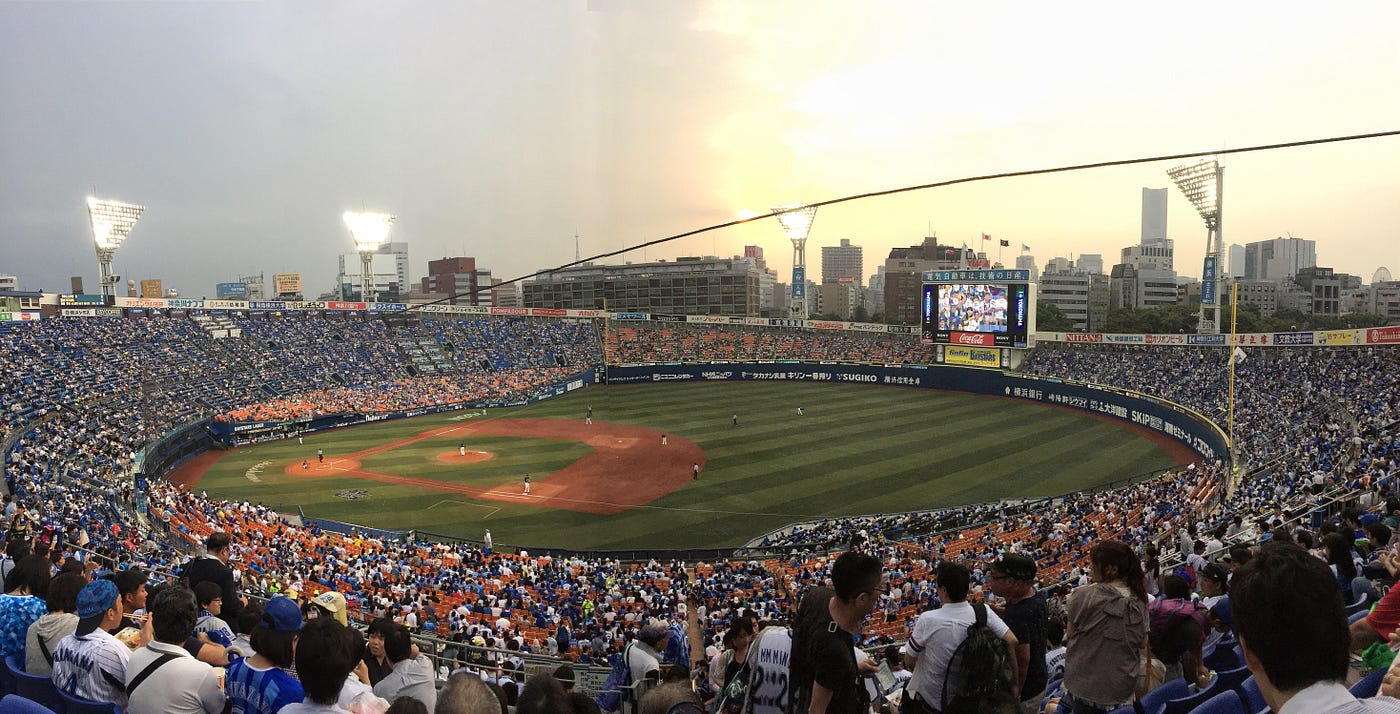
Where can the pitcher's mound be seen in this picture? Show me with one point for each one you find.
(471, 457)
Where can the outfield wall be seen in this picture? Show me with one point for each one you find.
(1185, 425)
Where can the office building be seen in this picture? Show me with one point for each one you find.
(1278, 259)
(842, 261)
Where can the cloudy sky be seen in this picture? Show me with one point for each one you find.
(502, 129)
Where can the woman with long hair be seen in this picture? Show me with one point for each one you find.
(1106, 632)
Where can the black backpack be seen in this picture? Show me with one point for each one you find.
(981, 666)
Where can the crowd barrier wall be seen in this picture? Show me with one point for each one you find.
(1192, 429)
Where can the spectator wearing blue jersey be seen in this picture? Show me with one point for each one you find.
(23, 604)
(260, 684)
(211, 598)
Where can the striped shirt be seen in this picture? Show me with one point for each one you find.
(260, 691)
(92, 667)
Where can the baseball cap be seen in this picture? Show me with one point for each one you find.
(332, 602)
(282, 615)
(1223, 611)
(94, 600)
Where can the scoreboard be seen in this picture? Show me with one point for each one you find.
(982, 308)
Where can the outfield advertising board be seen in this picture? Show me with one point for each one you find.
(1179, 423)
(972, 356)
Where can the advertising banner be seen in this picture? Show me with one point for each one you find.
(976, 276)
(548, 312)
(510, 311)
(342, 305)
(799, 283)
(89, 300)
(972, 356)
(1341, 337)
(152, 289)
(267, 305)
(1293, 338)
(1206, 339)
(1383, 335)
(1208, 281)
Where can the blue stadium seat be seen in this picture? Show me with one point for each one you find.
(15, 704)
(1223, 703)
(1351, 619)
(1253, 698)
(1369, 685)
(34, 687)
(77, 705)
(1154, 701)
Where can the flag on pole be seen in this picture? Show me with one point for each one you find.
(1025, 247)
(1239, 356)
(986, 237)
(1005, 243)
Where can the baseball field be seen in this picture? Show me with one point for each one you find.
(855, 449)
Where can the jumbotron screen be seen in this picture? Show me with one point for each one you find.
(983, 314)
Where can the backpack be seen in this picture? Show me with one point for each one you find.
(610, 700)
(982, 667)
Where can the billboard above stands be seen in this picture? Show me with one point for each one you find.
(981, 314)
(84, 300)
(1383, 335)
(972, 356)
(231, 290)
(629, 316)
(977, 276)
(286, 283)
(1208, 281)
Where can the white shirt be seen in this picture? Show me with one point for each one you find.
(1333, 697)
(184, 684)
(92, 667)
(936, 635)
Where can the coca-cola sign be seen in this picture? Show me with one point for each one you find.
(974, 338)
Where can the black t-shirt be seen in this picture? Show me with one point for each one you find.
(1029, 620)
(824, 653)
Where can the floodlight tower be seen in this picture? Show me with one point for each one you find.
(369, 230)
(796, 221)
(111, 222)
(1202, 183)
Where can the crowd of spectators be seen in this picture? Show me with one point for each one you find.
(1329, 416)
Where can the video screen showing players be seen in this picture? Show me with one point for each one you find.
(972, 308)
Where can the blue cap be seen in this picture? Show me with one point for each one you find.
(96, 598)
(282, 615)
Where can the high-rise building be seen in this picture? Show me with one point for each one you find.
(904, 282)
(460, 281)
(1027, 262)
(1234, 261)
(1091, 263)
(842, 261)
(840, 298)
(1067, 290)
(767, 279)
(689, 285)
(1278, 259)
(1154, 215)
(399, 249)
(1325, 288)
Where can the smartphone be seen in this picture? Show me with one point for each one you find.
(885, 677)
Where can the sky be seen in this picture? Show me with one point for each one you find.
(501, 130)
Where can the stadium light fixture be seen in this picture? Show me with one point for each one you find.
(369, 231)
(796, 221)
(111, 222)
(1202, 183)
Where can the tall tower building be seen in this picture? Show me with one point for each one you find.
(1154, 215)
(842, 261)
(1278, 259)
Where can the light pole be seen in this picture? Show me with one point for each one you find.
(1202, 183)
(111, 222)
(796, 221)
(369, 230)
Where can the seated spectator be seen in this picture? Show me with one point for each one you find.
(163, 678)
(325, 656)
(411, 676)
(90, 663)
(465, 694)
(210, 598)
(260, 684)
(23, 604)
(1292, 628)
(60, 621)
(376, 661)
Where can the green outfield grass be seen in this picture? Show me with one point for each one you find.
(858, 449)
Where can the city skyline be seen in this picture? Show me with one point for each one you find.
(499, 132)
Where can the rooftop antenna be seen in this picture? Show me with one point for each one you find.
(576, 253)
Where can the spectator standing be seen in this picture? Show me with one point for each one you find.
(1106, 630)
(377, 663)
(90, 663)
(213, 567)
(644, 655)
(824, 674)
(131, 583)
(162, 677)
(1012, 579)
(937, 634)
